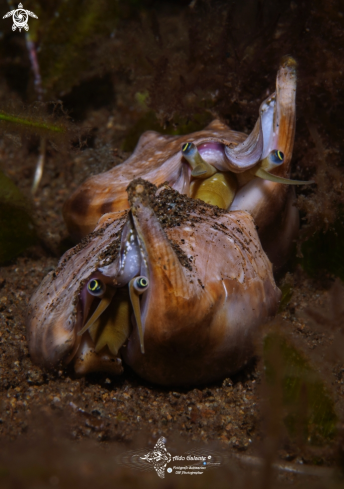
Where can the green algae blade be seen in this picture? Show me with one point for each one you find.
(31, 123)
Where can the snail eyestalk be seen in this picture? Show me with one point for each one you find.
(103, 304)
(200, 168)
(137, 286)
(274, 159)
(275, 178)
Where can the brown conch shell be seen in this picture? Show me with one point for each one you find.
(175, 287)
(243, 158)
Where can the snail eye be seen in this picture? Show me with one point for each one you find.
(95, 287)
(277, 157)
(187, 147)
(141, 284)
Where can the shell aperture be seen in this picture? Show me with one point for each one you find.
(123, 271)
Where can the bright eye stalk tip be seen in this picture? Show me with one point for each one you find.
(96, 287)
(137, 286)
(200, 168)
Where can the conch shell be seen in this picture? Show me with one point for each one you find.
(175, 287)
(247, 174)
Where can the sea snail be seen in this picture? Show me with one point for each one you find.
(220, 166)
(175, 288)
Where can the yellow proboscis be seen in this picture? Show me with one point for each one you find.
(219, 189)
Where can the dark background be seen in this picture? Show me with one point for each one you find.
(109, 71)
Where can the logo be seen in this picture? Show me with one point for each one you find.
(159, 457)
(193, 462)
(20, 18)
